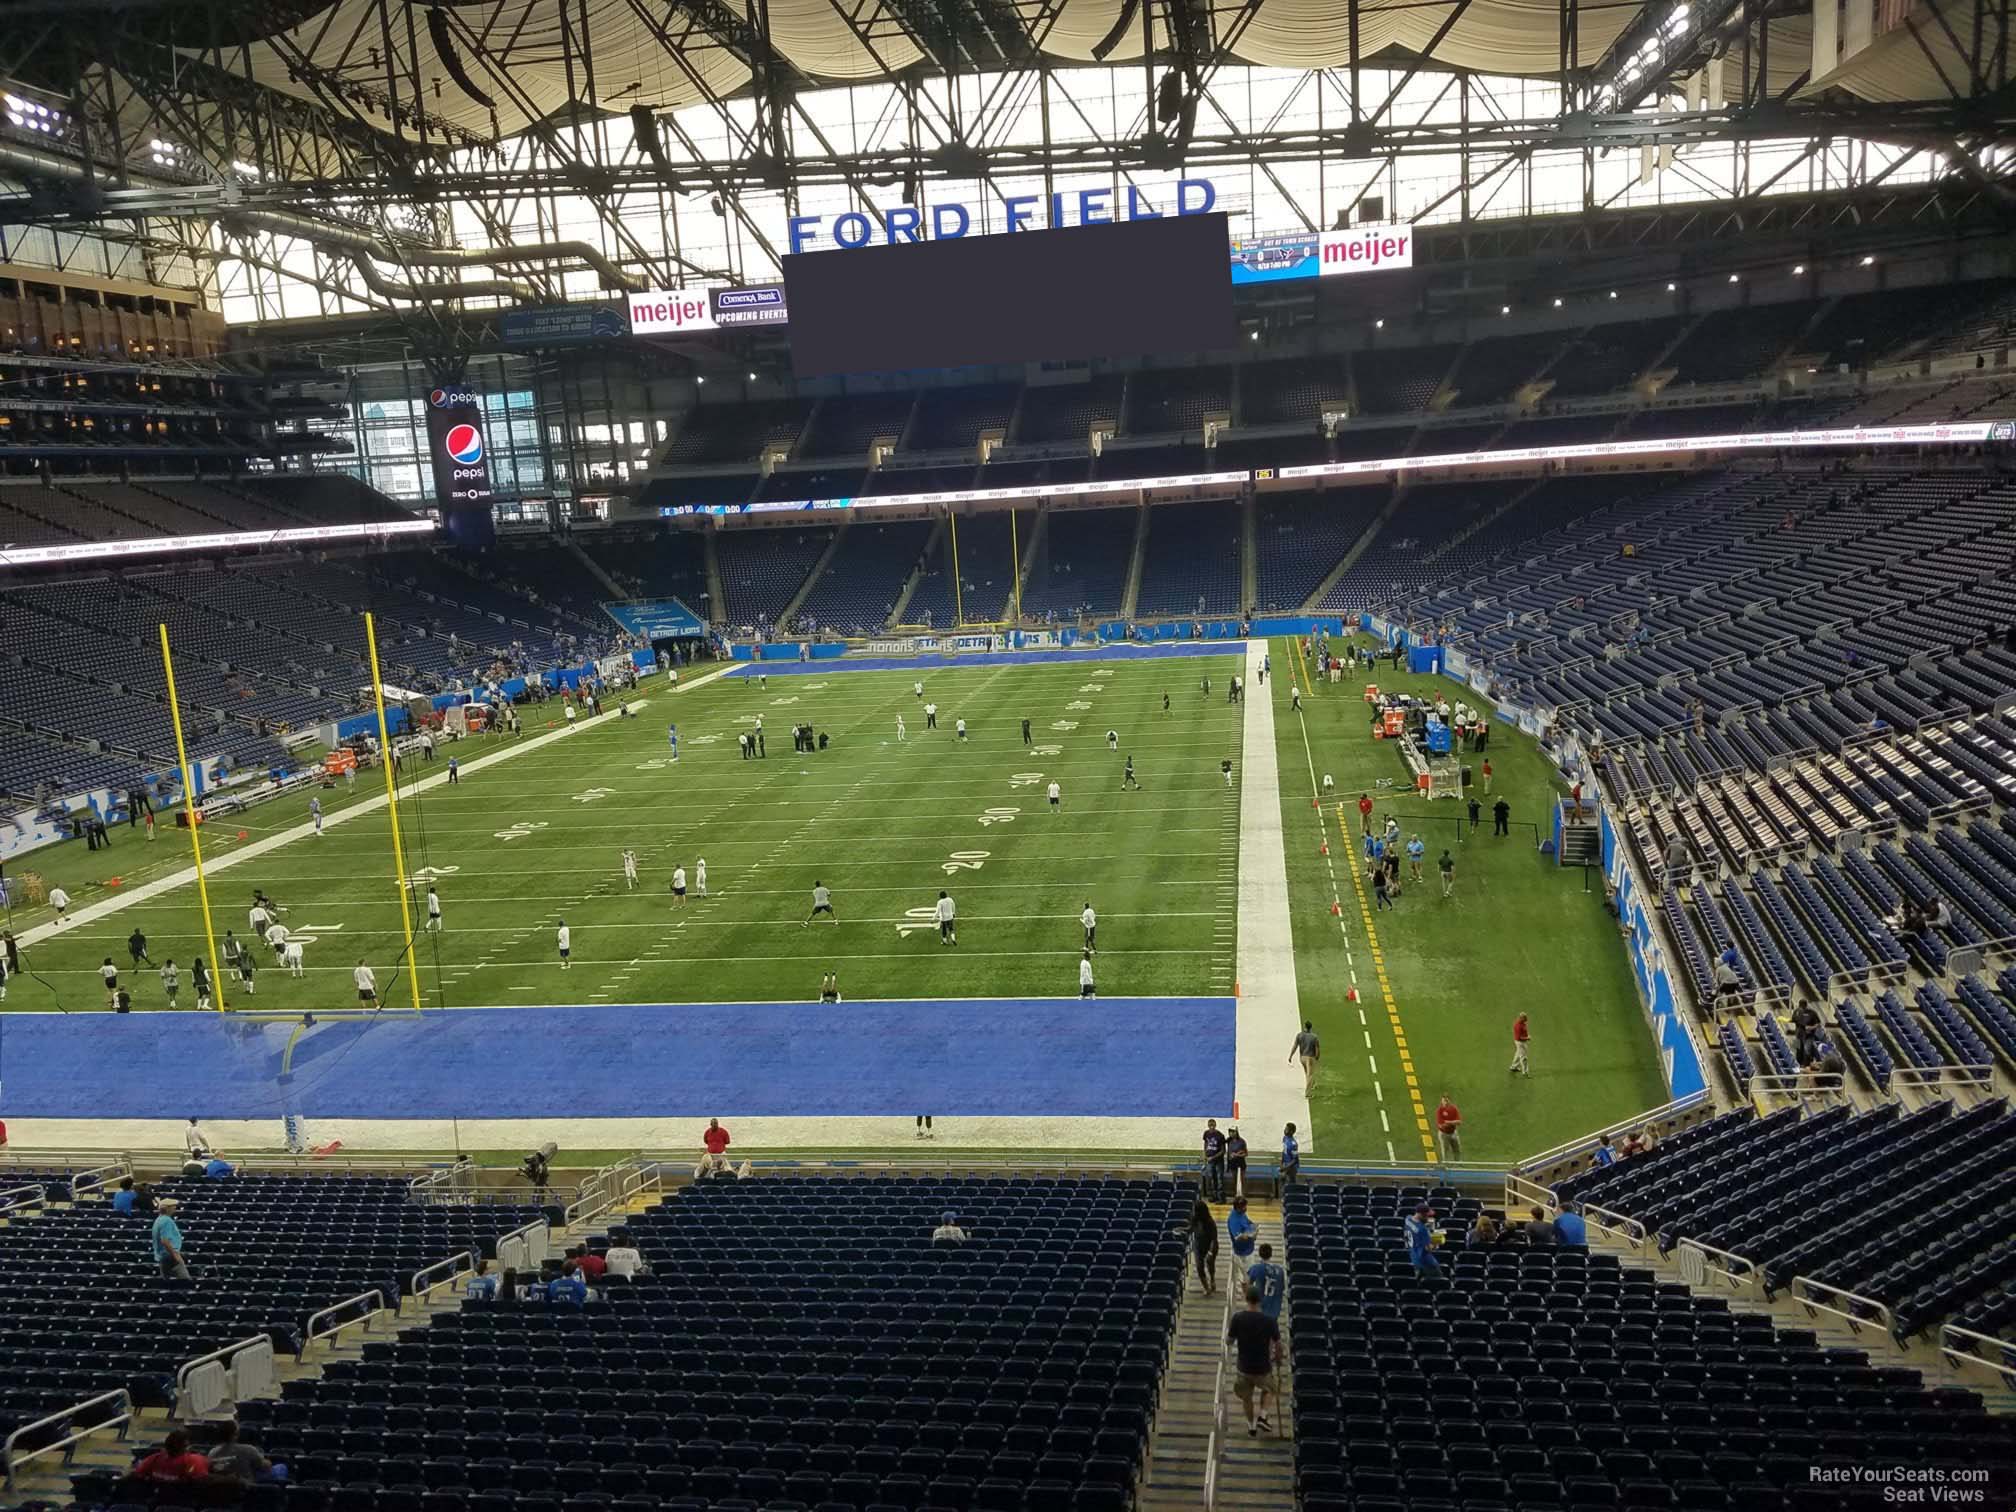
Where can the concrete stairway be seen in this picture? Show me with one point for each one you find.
(1254, 1474)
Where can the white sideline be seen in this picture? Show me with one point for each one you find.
(1270, 1087)
(178, 879)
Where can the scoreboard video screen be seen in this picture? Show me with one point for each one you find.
(1130, 288)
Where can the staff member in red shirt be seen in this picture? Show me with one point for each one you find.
(590, 1264)
(716, 1140)
(1365, 812)
(1520, 1034)
(1449, 1125)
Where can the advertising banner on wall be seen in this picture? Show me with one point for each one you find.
(1365, 249)
(1271, 259)
(455, 442)
(560, 325)
(762, 304)
(671, 312)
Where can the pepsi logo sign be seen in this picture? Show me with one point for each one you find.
(464, 445)
(442, 398)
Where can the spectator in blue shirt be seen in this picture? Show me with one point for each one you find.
(1268, 1279)
(1606, 1153)
(482, 1286)
(1291, 1155)
(216, 1168)
(125, 1197)
(567, 1289)
(167, 1241)
(1242, 1231)
(1570, 1232)
(1421, 1241)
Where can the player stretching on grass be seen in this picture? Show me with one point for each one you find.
(822, 903)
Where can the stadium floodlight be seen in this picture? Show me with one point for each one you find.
(1868, 262)
(1504, 309)
(752, 377)
(1557, 301)
(1670, 288)
(1117, 33)
(1798, 269)
(1735, 278)
(1378, 325)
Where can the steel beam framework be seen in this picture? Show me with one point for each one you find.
(362, 141)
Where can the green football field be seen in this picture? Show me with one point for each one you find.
(517, 847)
(1520, 934)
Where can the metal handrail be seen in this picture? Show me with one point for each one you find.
(309, 1335)
(229, 1351)
(1736, 1271)
(124, 1419)
(1608, 1221)
(99, 1176)
(32, 1193)
(1807, 1293)
(1976, 1351)
(1211, 1472)
(1519, 1191)
(1665, 1112)
(454, 1267)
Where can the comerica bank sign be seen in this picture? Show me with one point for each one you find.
(1021, 212)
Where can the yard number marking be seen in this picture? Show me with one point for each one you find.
(964, 861)
(999, 816)
(594, 795)
(1025, 779)
(521, 829)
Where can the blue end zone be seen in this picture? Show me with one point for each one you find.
(1008, 1057)
(940, 662)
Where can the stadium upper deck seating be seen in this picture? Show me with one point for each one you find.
(1161, 400)
(735, 432)
(1554, 1377)
(86, 1311)
(1018, 1369)
(954, 417)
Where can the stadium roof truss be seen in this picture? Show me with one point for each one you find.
(308, 158)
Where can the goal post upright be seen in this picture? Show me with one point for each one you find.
(192, 820)
(392, 808)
